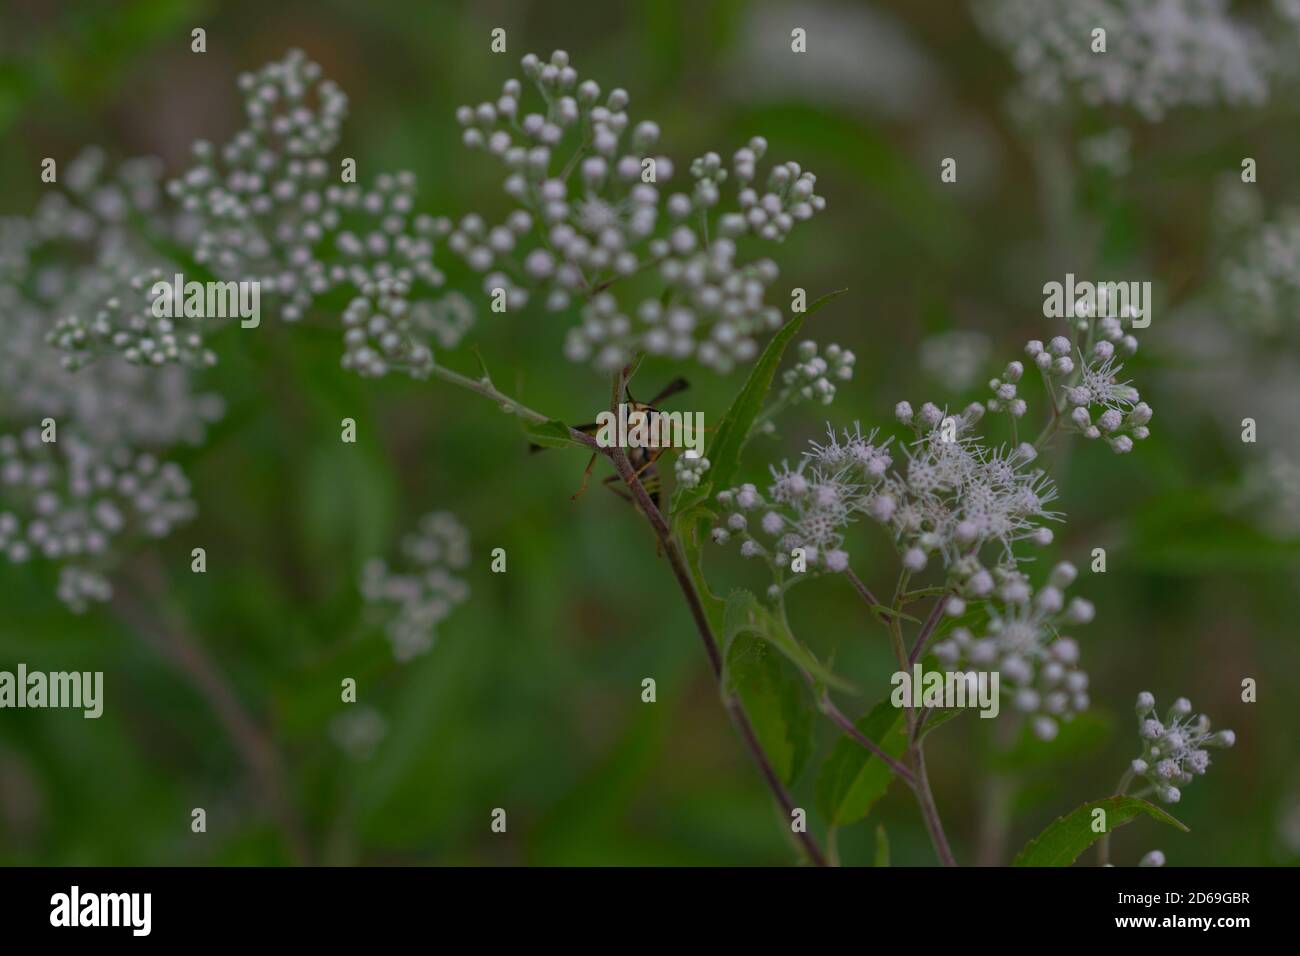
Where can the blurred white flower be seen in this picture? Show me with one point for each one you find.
(1160, 54)
(414, 598)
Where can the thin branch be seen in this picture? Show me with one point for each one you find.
(172, 639)
(1103, 845)
(485, 388)
(687, 585)
(929, 811)
(834, 713)
(873, 603)
(928, 628)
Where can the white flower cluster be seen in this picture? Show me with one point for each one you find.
(807, 507)
(690, 471)
(119, 319)
(813, 377)
(1270, 487)
(1264, 281)
(1023, 643)
(74, 501)
(1174, 750)
(112, 401)
(102, 308)
(69, 500)
(386, 331)
(1006, 392)
(955, 494)
(447, 319)
(1160, 54)
(1084, 376)
(412, 602)
(569, 242)
(271, 206)
(949, 496)
(264, 215)
(79, 587)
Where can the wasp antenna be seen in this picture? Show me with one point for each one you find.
(678, 384)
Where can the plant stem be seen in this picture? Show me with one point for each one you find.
(915, 747)
(929, 811)
(997, 791)
(1103, 845)
(485, 388)
(732, 702)
(872, 602)
(834, 713)
(173, 640)
(916, 778)
(927, 628)
(686, 584)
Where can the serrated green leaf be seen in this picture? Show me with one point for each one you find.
(685, 499)
(852, 779)
(689, 528)
(743, 614)
(1068, 836)
(733, 431)
(773, 697)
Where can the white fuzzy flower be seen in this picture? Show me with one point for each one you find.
(1174, 749)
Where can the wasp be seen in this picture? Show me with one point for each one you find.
(641, 459)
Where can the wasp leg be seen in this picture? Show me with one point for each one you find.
(586, 477)
(650, 482)
(609, 482)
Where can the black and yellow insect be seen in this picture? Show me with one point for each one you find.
(642, 460)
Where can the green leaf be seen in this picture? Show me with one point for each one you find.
(724, 451)
(691, 527)
(733, 430)
(852, 779)
(686, 499)
(1068, 836)
(549, 434)
(743, 614)
(938, 718)
(773, 697)
(882, 846)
